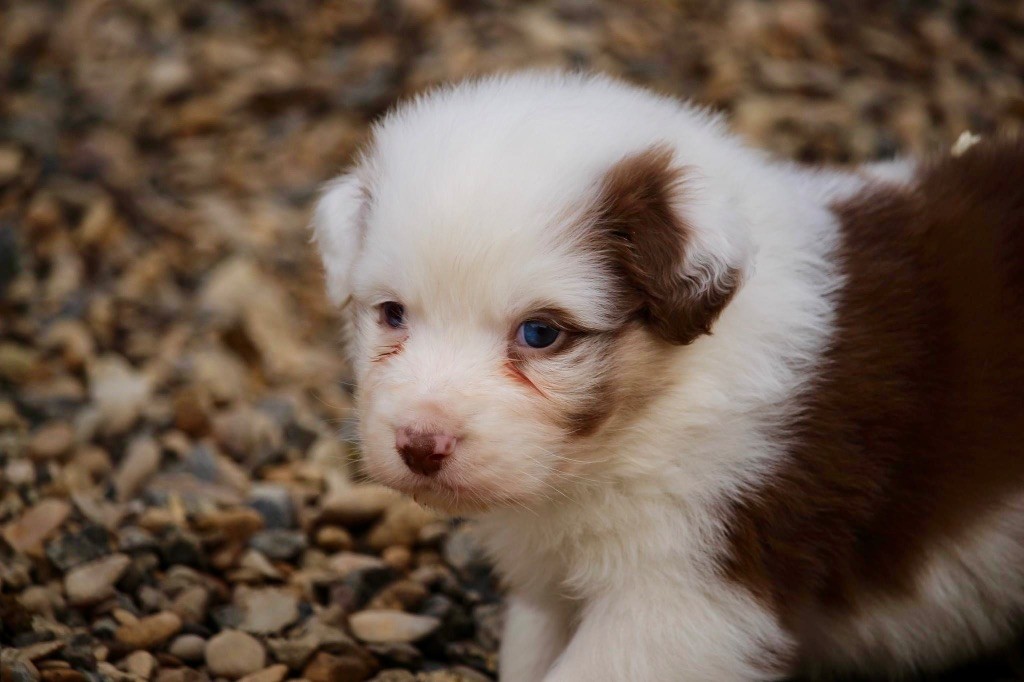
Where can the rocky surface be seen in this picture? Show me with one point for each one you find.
(178, 495)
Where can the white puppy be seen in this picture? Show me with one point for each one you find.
(720, 418)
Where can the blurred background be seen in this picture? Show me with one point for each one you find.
(175, 500)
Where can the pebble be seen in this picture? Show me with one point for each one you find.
(151, 631)
(296, 650)
(74, 549)
(119, 393)
(400, 526)
(94, 581)
(192, 603)
(358, 505)
(52, 440)
(234, 654)
(275, 673)
(274, 503)
(327, 667)
(189, 648)
(142, 664)
(140, 462)
(334, 538)
(396, 675)
(397, 557)
(279, 544)
(28, 532)
(266, 611)
(383, 626)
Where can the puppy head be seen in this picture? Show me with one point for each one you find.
(517, 259)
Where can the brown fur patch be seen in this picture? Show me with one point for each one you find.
(914, 427)
(640, 227)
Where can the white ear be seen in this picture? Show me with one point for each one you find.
(338, 231)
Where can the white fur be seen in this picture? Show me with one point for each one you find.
(610, 544)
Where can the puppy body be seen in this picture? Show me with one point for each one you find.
(779, 428)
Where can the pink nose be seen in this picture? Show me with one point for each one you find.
(424, 453)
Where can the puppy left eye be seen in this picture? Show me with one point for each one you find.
(537, 334)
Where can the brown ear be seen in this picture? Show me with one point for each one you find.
(678, 293)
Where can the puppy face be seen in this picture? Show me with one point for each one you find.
(509, 308)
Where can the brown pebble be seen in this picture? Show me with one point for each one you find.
(141, 664)
(329, 668)
(334, 539)
(52, 440)
(27, 533)
(61, 675)
(397, 557)
(149, 632)
(275, 673)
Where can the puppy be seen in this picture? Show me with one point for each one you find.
(720, 417)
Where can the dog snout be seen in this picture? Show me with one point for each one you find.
(424, 452)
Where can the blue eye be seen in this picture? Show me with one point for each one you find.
(392, 314)
(537, 334)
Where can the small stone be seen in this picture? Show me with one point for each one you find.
(52, 440)
(119, 392)
(400, 526)
(400, 654)
(189, 648)
(248, 434)
(192, 411)
(296, 650)
(259, 565)
(94, 581)
(18, 671)
(274, 503)
(28, 532)
(192, 603)
(279, 544)
(345, 563)
(181, 675)
(39, 651)
(141, 664)
(380, 626)
(459, 673)
(326, 667)
(41, 600)
(334, 539)
(358, 505)
(234, 654)
(182, 547)
(141, 461)
(61, 675)
(275, 673)
(150, 632)
(74, 549)
(20, 472)
(396, 675)
(397, 557)
(237, 524)
(402, 595)
(266, 611)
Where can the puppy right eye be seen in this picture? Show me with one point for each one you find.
(392, 314)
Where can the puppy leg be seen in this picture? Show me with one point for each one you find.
(534, 636)
(646, 632)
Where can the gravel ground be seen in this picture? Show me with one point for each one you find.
(176, 503)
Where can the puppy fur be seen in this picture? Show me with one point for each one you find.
(780, 432)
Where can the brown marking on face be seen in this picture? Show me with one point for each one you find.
(388, 351)
(637, 225)
(516, 374)
(912, 432)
